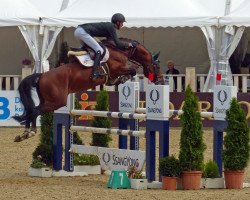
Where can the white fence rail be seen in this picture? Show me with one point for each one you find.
(176, 82)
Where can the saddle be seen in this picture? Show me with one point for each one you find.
(86, 57)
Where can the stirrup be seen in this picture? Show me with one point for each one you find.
(95, 76)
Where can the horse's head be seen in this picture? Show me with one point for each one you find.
(140, 56)
(143, 56)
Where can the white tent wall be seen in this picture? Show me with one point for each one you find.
(41, 39)
(15, 13)
(185, 46)
(221, 43)
(13, 50)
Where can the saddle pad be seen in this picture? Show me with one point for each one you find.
(85, 60)
(88, 62)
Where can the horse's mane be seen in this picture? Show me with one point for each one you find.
(111, 43)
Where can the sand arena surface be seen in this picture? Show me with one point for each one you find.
(15, 159)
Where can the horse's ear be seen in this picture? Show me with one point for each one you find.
(156, 56)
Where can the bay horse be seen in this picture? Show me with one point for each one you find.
(54, 86)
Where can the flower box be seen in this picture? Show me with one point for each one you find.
(213, 183)
(89, 169)
(139, 184)
(26, 61)
(40, 172)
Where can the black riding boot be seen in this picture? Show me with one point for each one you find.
(95, 72)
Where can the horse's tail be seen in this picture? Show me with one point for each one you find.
(24, 89)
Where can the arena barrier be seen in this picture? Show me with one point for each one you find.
(222, 97)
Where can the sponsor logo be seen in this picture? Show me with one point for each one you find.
(106, 158)
(126, 105)
(222, 96)
(154, 96)
(126, 91)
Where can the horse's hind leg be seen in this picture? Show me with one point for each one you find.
(29, 132)
(32, 118)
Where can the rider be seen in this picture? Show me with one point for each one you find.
(86, 32)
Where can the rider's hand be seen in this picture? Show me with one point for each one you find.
(132, 44)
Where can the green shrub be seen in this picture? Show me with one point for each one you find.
(192, 146)
(85, 159)
(45, 153)
(169, 166)
(44, 150)
(102, 104)
(211, 170)
(37, 164)
(236, 141)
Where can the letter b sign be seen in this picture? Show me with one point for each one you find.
(4, 111)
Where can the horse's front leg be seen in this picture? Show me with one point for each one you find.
(33, 127)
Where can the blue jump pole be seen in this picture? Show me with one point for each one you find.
(123, 140)
(60, 120)
(219, 126)
(162, 126)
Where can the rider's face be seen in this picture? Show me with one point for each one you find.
(119, 25)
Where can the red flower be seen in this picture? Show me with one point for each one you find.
(26, 61)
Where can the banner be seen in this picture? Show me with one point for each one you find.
(10, 105)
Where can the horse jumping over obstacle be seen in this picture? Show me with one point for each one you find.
(54, 86)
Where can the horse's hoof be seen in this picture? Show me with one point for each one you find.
(25, 135)
(31, 134)
(18, 138)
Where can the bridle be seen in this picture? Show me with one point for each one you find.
(130, 55)
(153, 64)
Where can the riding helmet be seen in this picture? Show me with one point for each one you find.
(118, 17)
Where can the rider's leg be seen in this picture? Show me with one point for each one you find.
(95, 72)
(83, 36)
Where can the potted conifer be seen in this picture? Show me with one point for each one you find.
(236, 146)
(211, 178)
(192, 146)
(169, 168)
